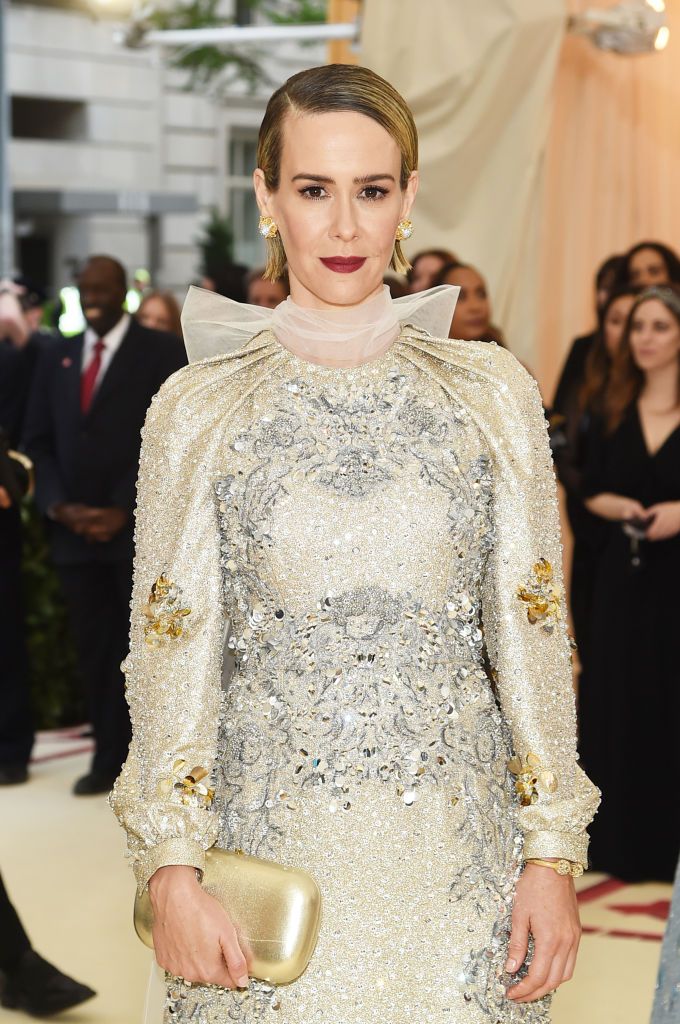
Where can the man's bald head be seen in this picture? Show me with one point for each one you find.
(103, 287)
(109, 266)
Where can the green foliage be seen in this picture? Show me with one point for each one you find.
(205, 64)
(216, 244)
(223, 66)
(293, 12)
(53, 676)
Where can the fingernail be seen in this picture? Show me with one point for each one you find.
(243, 981)
(510, 965)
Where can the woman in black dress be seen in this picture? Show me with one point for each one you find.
(630, 729)
(581, 403)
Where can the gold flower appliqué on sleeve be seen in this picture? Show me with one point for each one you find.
(531, 779)
(541, 595)
(163, 612)
(190, 788)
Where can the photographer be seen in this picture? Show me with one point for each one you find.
(28, 982)
(18, 350)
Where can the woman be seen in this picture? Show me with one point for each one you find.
(426, 266)
(569, 444)
(472, 317)
(571, 379)
(159, 310)
(260, 291)
(357, 496)
(650, 263)
(632, 483)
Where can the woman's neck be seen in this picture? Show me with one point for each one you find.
(306, 299)
(660, 389)
(342, 336)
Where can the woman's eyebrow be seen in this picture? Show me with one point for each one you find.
(323, 180)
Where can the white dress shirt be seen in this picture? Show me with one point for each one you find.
(112, 341)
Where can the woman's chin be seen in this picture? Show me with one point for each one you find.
(340, 289)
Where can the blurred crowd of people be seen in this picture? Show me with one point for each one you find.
(615, 424)
(71, 415)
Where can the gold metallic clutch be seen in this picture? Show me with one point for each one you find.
(276, 911)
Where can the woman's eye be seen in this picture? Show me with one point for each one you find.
(312, 191)
(374, 192)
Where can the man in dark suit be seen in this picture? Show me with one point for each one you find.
(86, 410)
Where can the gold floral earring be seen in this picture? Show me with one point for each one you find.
(404, 230)
(268, 227)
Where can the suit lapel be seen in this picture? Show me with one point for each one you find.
(70, 368)
(120, 370)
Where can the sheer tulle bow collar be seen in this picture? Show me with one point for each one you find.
(214, 325)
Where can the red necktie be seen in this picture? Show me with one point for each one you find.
(88, 377)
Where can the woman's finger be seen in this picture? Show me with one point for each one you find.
(220, 977)
(655, 532)
(554, 979)
(236, 961)
(570, 964)
(539, 972)
(518, 944)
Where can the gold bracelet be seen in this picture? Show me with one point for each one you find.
(562, 867)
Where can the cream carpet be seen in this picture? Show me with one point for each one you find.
(63, 862)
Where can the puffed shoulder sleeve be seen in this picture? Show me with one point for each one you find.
(173, 671)
(524, 621)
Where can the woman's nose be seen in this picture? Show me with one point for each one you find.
(344, 225)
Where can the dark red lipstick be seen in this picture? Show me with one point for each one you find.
(343, 264)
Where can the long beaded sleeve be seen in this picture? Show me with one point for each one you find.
(173, 671)
(525, 631)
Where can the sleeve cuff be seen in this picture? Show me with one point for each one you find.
(171, 851)
(567, 845)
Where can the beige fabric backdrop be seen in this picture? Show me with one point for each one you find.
(532, 176)
(478, 77)
(612, 176)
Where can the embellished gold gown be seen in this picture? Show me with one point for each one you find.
(383, 542)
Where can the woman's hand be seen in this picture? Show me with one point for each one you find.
(665, 522)
(616, 507)
(193, 936)
(545, 907)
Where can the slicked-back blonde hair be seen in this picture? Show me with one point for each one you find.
(322, 90)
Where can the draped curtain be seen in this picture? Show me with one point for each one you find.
(612, 176)
(540, 155)
(478, 77)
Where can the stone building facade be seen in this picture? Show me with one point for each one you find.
(110, 153)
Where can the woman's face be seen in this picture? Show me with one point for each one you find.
(606, 286)
(338, 198)
(266, 293)
(615, 321)
(424, 272)
(153, 313)
(655, 337)
(472, 317)
(647, 268)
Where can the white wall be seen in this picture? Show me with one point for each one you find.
(144, 132)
